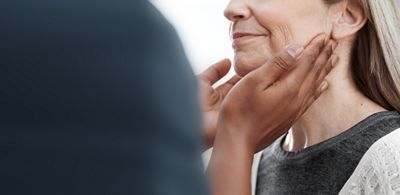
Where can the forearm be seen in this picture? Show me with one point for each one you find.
(230, 166)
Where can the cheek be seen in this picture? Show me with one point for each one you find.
(281, 31)
(304, 30)
(281, 37)
(292, 22)
(252, 57)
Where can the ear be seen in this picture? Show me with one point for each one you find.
(350, 19)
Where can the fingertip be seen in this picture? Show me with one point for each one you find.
(216, 71)
(335, 60)
(294, 50)
(223, 61)
(223, 65)
(324, 86)
(227, 60)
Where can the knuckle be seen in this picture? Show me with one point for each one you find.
(281, 63)
(312, 54)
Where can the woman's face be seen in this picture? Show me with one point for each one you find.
(261, 28)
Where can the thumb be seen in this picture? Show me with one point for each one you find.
(216, 71)
(278, 65)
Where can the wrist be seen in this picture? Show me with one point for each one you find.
(231, 147)
(234, 139)
(230, 165)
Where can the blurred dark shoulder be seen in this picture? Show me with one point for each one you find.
(96, 97)
(82, 54)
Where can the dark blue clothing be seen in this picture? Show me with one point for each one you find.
(96, 97)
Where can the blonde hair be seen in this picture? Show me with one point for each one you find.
(376, 53)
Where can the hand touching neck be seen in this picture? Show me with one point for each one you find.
(338, 109)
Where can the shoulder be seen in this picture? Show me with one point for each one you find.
(379, 170)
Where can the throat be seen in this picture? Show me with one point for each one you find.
(336, 111)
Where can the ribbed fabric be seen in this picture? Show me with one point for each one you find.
(325, 167)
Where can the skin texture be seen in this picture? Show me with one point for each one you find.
(258, 98)
(278, 27)
(275, 28)
(252, 114)
(343, 105)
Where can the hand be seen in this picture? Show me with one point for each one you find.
(212, 97)
(265, 104)
(262, 107)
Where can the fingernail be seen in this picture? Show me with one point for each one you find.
(294, 50)
(324, 86)
(335, 60)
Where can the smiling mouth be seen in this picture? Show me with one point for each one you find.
(241, 38)
(240, 35)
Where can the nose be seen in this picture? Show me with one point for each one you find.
(237, 10)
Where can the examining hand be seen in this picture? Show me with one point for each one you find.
(212, 97)
(266, 103)
(263, 106)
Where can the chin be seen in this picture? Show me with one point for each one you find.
(241, 70)
(243, 67)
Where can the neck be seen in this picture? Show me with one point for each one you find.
(338, 109)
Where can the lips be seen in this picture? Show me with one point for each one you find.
(240, 38)
(241, 35)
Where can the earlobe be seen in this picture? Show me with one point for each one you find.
(349, 20)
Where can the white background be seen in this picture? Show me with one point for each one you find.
(202, 27)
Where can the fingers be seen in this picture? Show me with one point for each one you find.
(306, 81)
(280, 64)
(321, 89)
(226, 87)
(320, 84)
(322, 65)
(307, 61)
(332, 62)
(311, 88)
(320, 69)
(215, 72)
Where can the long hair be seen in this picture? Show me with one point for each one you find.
(376, 53)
